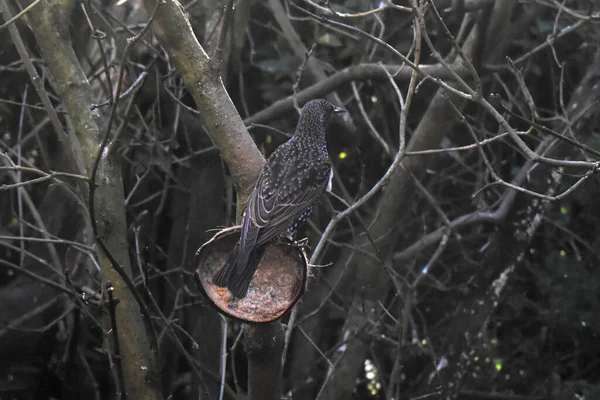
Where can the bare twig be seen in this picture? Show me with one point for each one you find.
(19, 15)
(299, 76)
(356, 72)
(34, 76)
(111, 305)
(217, 59)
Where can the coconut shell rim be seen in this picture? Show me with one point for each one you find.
(201, 288)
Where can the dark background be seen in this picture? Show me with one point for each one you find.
(447, 283)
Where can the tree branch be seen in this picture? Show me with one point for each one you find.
(50, 23)
(219, 115)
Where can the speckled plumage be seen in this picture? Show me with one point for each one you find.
(293, 177)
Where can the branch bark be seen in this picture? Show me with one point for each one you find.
(369, 277)
(201, 77)
(50, 25)
(264, 344)
(352, 73)
(467, 332)
(227, 130)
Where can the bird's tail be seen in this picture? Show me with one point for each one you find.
(240, 278)
(221, 277)
(237, 277)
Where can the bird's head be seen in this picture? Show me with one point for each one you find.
(321, 107)
(315, 115)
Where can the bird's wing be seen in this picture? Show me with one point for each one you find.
(266, 190)
(260, 205)
(276, 213)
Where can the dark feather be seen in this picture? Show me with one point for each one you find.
(275, 212)
(292, 179)
(239, 281)
(221, 277)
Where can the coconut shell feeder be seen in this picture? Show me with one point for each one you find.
(278, 283)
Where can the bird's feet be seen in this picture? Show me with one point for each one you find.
(302, 243)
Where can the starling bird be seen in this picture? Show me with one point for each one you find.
(294, 176)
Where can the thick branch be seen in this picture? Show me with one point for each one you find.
(352, 73)
(372, 281)
(50, 23)
(265, 346)
(227, 130)
(220, 116)
(507, 247)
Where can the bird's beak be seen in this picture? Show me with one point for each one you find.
(338, 110)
